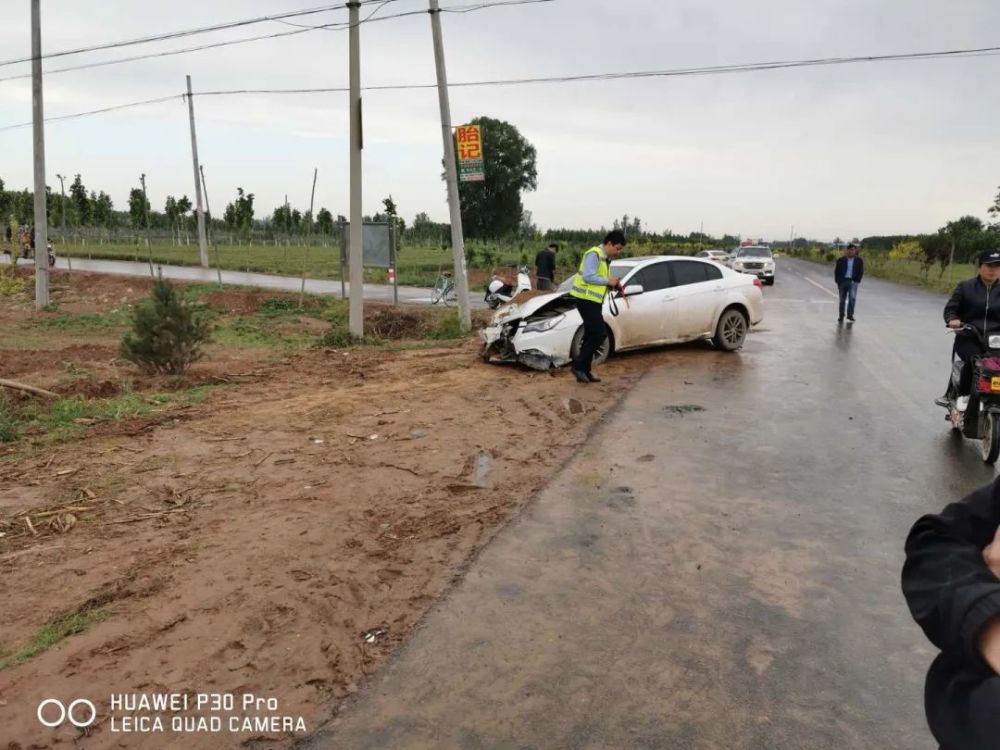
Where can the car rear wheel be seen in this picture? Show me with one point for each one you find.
(602, 351)
(731, 331)
(769, 281)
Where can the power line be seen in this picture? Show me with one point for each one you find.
(712, 70)
(339, 26)
(675, 72)
(189, 32)
(113, 108)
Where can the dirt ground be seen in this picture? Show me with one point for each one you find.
(280, 538)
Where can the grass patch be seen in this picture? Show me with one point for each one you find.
(84, 322)
(68, 417)
(52, 633)
(255, 332)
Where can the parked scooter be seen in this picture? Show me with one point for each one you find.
(500, 291)
(980, 419)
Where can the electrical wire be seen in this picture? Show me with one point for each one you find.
(114, 108)
(712, 70)
(675, 72)
(300, 29)
(189, 32)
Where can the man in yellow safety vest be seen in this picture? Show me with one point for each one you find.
(590, 286)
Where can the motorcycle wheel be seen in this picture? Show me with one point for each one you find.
(990, 443)
(52, 259)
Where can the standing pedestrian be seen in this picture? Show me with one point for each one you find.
(590, 287)
(848, 274)
(545, 267)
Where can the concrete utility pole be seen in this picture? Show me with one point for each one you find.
(202, 238)
(454, 207)
(208, 210)
(62, 191)
(38, 123)
(145, 210)
(355, 256)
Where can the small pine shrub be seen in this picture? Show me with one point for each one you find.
(167, 333)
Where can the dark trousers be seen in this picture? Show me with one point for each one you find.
(849, 294)
(966, 349)
(544, 284)
(594, 331)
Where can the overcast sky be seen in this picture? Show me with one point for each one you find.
(846, 150)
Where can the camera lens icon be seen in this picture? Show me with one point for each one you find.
(73, 713)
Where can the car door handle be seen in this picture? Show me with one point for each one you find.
(719, 288)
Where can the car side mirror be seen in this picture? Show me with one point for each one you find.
(632, 289)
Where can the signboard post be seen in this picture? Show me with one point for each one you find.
(470, 153)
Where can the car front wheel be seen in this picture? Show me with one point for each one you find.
(602, 351)
(731, 331)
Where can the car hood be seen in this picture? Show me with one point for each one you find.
(525, 305)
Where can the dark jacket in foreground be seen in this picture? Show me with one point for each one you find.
(952, 594)
(973, 303)
(840, 270)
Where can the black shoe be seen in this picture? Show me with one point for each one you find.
(581, 376)
(840, 319)
(943, 401)
(850, 318)
(593, 378)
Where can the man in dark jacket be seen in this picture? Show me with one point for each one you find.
(545, 267)
(975, 302)
(950, 580)
(848, 272)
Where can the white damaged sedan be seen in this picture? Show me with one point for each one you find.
(667, 300)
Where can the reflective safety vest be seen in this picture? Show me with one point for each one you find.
(592, 292)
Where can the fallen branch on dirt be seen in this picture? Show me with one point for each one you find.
(145, 516)
(14, 385)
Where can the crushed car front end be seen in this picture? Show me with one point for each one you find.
(537, 334)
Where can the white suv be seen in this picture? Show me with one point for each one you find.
(756, 260)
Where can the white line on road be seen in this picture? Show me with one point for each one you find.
(820, 286)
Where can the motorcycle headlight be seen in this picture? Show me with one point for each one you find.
(543, 324)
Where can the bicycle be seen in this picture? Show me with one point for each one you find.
(444, 290)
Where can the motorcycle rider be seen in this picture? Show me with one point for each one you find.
(975, 302)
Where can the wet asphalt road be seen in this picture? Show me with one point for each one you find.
(376, 292)
(719, 565)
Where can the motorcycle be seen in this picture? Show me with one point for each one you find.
(980, 420)
(28, 254)
(500, 290)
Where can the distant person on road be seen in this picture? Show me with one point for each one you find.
(974, 302)
(545, 267)
(848, 272)
(951, 584)
(590, 287)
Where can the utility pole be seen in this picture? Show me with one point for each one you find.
(145, 210)
(38, 123)
(208, 209)
(62, 191)
(202, 239)
(454, 207)
(354, 252)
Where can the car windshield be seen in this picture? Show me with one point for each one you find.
(755, 252)
(617, 269)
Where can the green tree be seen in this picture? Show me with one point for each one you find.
(104, 211)
(81, 203)
(324, 221)
(493, 207)
(138, 205)
(184, 207)
(994, 212)
(239, 213)
(167, 333)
